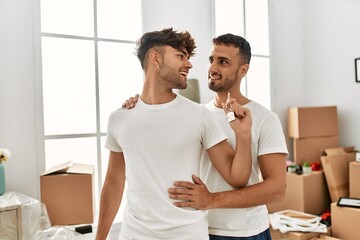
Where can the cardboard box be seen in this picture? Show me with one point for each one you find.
(306, 122)
(305, 193)
(310, 149)
(335, 163)
(354, 179)
(10, 222)
(67, 190)
(277, 235)
(325, 237)
(345, 222)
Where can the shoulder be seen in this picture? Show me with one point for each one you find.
(119, 114)
(260, 112)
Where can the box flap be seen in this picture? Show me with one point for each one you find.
(337, 151)
(333, 151)
(81, 168)
(58, 168)
(70, 167)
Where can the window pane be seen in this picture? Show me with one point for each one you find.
(119, 19)
(68, 86)
(120, 77)
(258, 81)
(68, 17)
(78, 150)
(257, 26)
(229, 17)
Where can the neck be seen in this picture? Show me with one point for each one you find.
(221, 97)
(156, 93)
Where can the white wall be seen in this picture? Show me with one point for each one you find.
(287, 60)
(332, 42)
(17, 95)
(313, 46)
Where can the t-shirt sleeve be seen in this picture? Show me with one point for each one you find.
(111, 143)
(211, 131)
(272, 139)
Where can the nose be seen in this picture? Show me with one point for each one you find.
(188, 64)
(211, 67)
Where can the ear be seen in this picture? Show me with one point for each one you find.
(154, 58)
(243, 70)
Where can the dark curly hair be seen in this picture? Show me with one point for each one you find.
(165, 37)
(236, 41)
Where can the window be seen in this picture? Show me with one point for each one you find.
(249, 19)
(88, 69)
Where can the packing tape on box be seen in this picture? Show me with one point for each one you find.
(339, 187)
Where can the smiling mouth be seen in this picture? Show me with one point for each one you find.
(214, 77)
(185, 74)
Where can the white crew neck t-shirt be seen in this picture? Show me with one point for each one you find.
(266, 137)
(161, 144)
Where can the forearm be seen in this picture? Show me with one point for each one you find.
(111, 194)
(241, 164)
(109, 204)
(259, 194)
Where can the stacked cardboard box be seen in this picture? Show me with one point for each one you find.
(345, 222)
(305, 193)
(313, 129)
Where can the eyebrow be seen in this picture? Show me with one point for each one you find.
(220, 58)
(184, 52)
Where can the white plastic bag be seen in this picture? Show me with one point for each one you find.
(58, 233)
(22, 216)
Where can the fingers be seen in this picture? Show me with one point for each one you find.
(184, 184)
(136, 98)
(241, 112)
(182, 190)
(184, 204)
(131, 102)
(232, 106)
(197, 180)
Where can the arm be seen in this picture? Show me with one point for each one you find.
(271, 189)
(111, 194)
(235, 168)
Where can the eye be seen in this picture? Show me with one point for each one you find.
(211, 60)
(223, 61)
(181, 56)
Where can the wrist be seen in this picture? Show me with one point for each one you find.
(215, 199)
(243, 136)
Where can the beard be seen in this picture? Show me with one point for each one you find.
(222, 85)
(172, 77)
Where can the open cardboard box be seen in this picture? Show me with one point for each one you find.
(335, 162)
(67, 190)
(354, 179)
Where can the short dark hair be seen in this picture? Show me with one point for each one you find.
(165, 37)
(237, 42)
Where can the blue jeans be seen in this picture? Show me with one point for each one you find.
(265, 235)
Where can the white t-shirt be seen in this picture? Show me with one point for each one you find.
(267, 137)
(161, 144)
